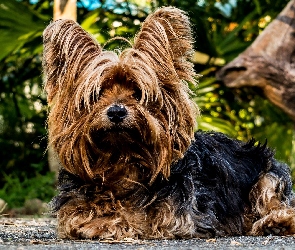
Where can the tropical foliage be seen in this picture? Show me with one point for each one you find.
(222, 29)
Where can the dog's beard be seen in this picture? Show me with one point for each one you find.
(121, 153)
(125, 149)
(121, 146)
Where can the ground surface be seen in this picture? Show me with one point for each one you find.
(40, 234)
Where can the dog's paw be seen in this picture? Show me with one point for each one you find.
(94, 230)
(277, 222)
(99, 229)
(279, 230)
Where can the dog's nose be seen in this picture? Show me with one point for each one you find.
(117, 113)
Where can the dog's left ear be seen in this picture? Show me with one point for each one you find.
(68, 49)
(166, 39)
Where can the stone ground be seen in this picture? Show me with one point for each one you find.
(40, 233)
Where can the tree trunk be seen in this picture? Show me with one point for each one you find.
(62, 9)
(269, 63)
(65, 9)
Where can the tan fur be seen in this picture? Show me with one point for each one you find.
(109, 218)
(273, 211)
(105, 218)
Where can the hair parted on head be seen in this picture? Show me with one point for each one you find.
(77, 70)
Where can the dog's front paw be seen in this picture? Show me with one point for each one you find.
(277, 222)
(95, 230)
(107, 229)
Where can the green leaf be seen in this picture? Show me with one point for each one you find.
(18, 25)
(227, 43)
(258, 7)
(209, 123)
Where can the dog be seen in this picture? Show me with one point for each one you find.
(123, 127)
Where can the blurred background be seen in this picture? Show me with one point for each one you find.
(222, 29)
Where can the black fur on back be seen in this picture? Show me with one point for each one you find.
(215, 178)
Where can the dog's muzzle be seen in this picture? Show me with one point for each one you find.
(117, 113)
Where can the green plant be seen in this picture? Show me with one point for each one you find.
(17, 190)
(243, 114)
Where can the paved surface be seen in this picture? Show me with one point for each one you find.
(40, 234)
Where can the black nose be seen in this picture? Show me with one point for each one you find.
(117, 113)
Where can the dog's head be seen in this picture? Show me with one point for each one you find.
(112, 113)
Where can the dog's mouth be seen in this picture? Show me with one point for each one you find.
(116, 135)
(119, 144)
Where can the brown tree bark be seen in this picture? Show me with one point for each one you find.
(269, 63)
(65, 9)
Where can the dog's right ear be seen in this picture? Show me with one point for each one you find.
(67, 50)
(166, 40)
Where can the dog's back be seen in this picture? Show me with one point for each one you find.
(217, 184)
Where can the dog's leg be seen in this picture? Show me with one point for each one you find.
(272, 206)
(80, 220)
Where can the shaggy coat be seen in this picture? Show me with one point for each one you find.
(132, 166)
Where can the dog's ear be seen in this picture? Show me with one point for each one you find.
(67, 50)
(166, 39)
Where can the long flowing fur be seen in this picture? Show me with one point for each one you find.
(123, 128)
(77, 70)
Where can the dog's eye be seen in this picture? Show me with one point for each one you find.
(94, 98)
(137, 94)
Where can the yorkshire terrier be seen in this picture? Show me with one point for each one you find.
(132, 166)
